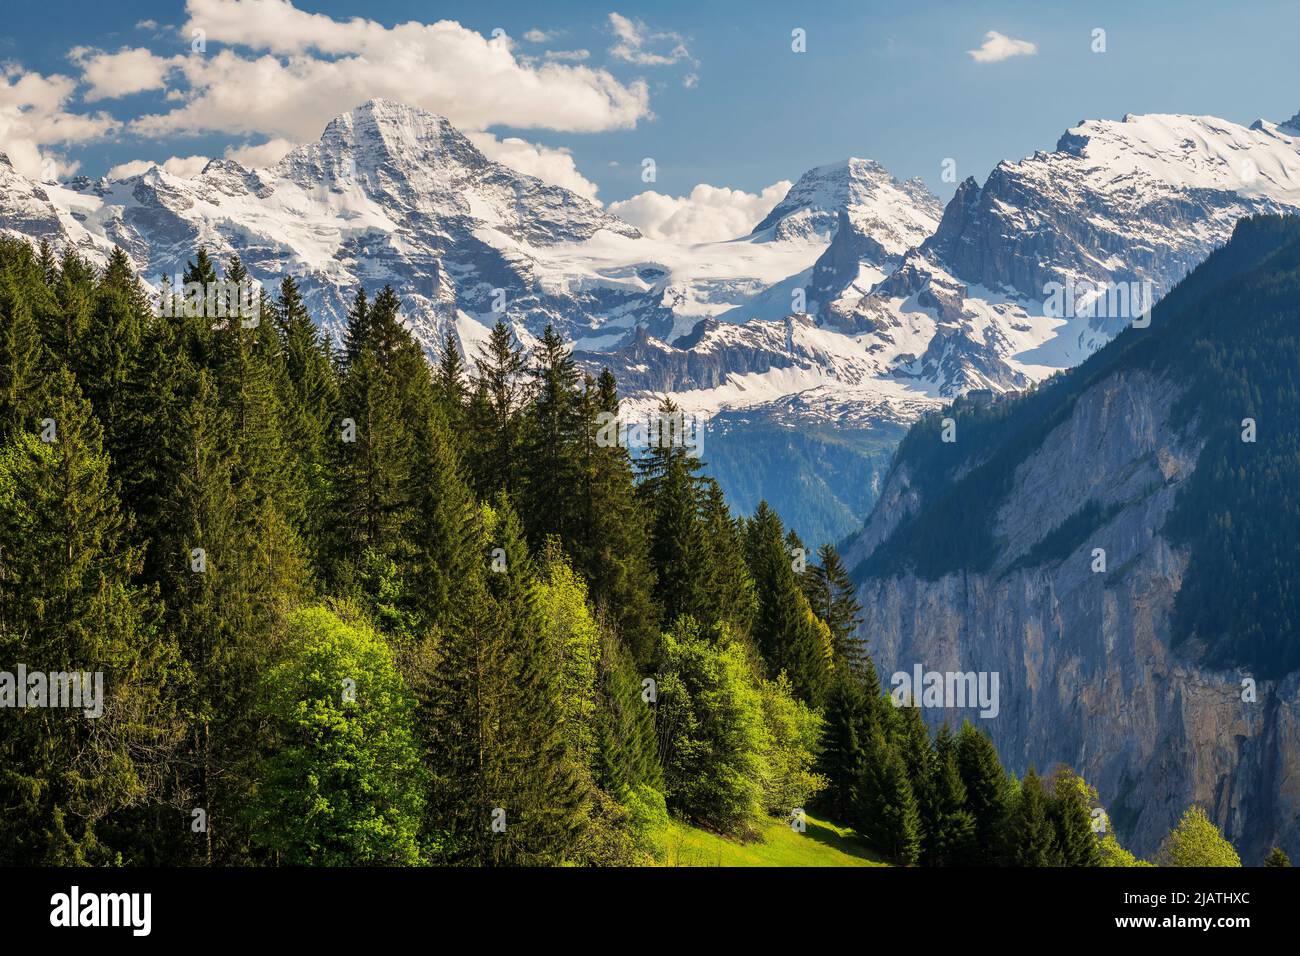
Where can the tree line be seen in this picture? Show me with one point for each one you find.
(355, 608)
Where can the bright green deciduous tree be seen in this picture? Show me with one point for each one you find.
(341, 782)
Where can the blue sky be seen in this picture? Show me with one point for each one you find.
(712, 91)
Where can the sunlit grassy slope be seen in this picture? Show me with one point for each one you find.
(823, 844)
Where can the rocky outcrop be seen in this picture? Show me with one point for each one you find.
(1088, 676)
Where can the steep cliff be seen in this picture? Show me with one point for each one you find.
(1114, 547)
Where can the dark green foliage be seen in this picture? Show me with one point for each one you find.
(68, 602)
(1277, 858)
(1030, 839)
(495, 412)
(845, 740)
(986, 793)
(179, 509)
(886, 810)
(670, 493)
(1071, 814)
(785, 629)
(831, 594)
(949, 825)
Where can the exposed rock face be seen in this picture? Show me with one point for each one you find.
(1087, 674)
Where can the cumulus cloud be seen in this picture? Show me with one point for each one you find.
(540, 36)
(998, 46)
(553, 166)
(112, 75)
(637, 43)
(708, 214)
(261, 155)
(572, 55)
(33, 118)
(186, 167)
(294, 71)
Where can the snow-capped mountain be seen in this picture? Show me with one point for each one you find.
(856, 302)
(1119, 207)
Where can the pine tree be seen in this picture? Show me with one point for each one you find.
(495, 412)
(68, 603)
(550, 444)
(731, 596)
(110, 346)
(375, 456)
(831, 593)
(74, 291)
(887, 813)
(951, 828)
(845, 739)
(25, 362)
(919, 758)
(1031, 838)
(784, 626)
(217, 607)
(451, 389)
(610, 543)
(986, 792)
(669, 489)
(308, 395)
(1277, 858)
(492, 709)
(1070, 811)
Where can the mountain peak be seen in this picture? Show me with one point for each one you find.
(862, 187)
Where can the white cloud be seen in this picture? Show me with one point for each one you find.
(540, 36)
(111, 75)
(33, 118)
(130, 168)
(708, 214)
(691, 81)
(571, 55)
(635, 39)
(306, 68)
(998, 47)
(553, 166)
(261, 155)
(186, 167)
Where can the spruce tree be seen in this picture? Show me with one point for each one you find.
(1030, 837)
(491, 710)
(832, 596)
(669, 489)
(951, 827)
(610, 543)
(886, 809)
(25, 363)
(1070, 811)
(550, 444)
(69, 604)
(986, 792)
(731, 592)
(784, 625)
(846, 737)
(495, 413)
